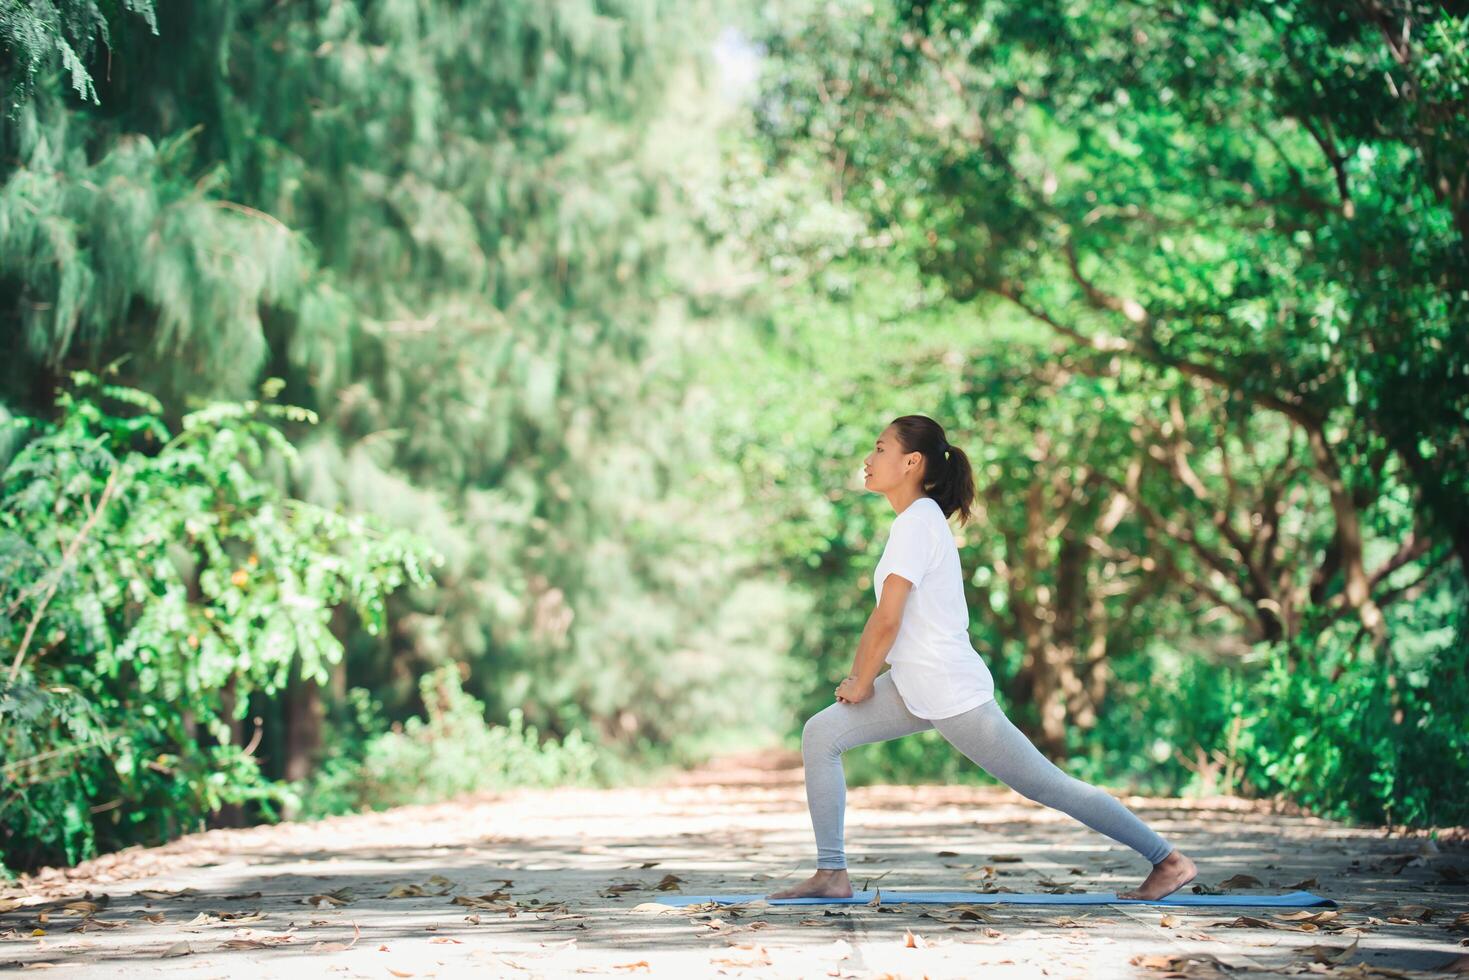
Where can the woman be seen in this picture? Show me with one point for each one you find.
(921, 628)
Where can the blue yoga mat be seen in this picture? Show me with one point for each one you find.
(1296, 899)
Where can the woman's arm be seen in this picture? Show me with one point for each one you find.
(877, 639)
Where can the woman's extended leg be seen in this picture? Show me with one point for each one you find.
(989, 739)
(828, 733)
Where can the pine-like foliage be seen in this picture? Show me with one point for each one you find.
(33, 33)
(458, 231)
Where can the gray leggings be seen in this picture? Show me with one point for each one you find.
(984, 735)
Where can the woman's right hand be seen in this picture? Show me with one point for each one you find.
(848, 693)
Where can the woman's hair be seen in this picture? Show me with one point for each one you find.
(949, 480)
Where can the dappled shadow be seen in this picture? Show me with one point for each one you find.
(556, 900)
(558, 866)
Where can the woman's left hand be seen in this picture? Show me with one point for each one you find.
(849, 692)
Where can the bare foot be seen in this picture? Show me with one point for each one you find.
(1168, 875)
(825, 883)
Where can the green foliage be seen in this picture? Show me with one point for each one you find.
(1324, 722)
(36, 35)
(449, 752)
(458, 232)
(1187, 282)
(1357, 736)
(152, 581)
(1352, 738)
(1332, 746)
(1266, 198)
(1236, 430)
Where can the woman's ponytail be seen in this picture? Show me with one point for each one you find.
(948, 476)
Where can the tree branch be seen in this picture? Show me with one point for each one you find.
(56, 573)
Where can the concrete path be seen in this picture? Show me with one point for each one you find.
(565, 883)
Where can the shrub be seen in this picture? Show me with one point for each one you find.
(450, 752)
(149, 581)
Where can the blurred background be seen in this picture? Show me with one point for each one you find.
(405, 398)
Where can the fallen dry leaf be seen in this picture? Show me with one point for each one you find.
(179, 949)
(957, 913)
(757, 956)
(1181, 964)
(1241, 881)
(323, 901)
(89, 923)
(83, 907)
(913, 941)
(259, 942)
(1395, 863)
(1252, 922)
(484, 904)
(1329, 954)
(627, 886)
(655, 907)
(1314, 920)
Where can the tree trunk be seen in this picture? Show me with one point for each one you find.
(303, 725)
(1041, 670)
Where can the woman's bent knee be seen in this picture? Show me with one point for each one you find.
(818, 734)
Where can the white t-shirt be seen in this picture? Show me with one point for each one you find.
(936, 670)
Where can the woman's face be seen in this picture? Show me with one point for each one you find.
(887, 466)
